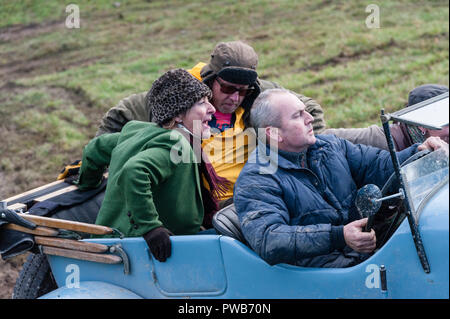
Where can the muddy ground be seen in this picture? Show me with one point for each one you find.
(19, 168)
(9, 271)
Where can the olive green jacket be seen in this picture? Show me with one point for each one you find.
(372, 135)
(134, 108)
(153, 180)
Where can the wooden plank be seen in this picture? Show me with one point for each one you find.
(56, 193)
(22, 206)
(17, 206)
(43, 197)
(100, 258)
(34, 190)
(39, 230)
(68, 224)
(71, 244)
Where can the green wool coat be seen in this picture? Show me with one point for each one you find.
(153, 180)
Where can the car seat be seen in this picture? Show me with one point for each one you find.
(226, 222)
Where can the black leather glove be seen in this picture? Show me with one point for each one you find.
(158, 241)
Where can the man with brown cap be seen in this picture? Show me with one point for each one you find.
(231, 75)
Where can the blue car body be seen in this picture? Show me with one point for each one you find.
(412, 263)
(411, 260)
(216, 266)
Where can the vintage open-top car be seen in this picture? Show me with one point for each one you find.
(411, 259)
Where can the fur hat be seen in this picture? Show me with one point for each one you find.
(174, 93)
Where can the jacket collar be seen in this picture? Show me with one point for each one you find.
(265, 156)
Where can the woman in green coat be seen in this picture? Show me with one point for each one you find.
(154, 185)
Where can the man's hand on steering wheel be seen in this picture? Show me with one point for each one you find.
(433, 143)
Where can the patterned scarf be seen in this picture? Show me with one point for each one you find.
(218, 185)
(416, 135)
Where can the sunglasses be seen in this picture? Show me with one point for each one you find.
(230, 89)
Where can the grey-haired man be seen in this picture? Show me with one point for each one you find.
(304, 212)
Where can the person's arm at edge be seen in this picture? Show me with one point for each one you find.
(130, 108)
(96, 157)
(372, 135)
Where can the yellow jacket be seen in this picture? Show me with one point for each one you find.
(228, 151)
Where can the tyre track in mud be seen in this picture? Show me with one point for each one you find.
(13, 180)
(15, 65)
(29, 58)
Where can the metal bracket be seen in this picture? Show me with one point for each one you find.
(384, 117)
(118, 232)
(383, 279)
(68, 234)
(408, 203)
(117, 248)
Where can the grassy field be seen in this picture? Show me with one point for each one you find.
(56, 82)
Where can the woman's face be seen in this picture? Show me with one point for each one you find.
(197, 117)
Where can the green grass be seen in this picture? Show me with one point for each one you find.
(55, 83)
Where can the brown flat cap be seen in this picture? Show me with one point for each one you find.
(234, 62)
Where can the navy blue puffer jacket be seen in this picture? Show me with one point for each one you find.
(296, 215)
